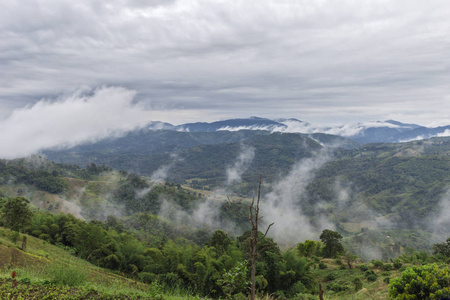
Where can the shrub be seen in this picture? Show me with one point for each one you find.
(386, 279)
(363, 268)
(147, 277)
(330, 277)
(338, 261)
(397, 264)
(372, 277)
(342, 267)
(335, 287)
(322, 266)
(387, 267)
(305, 297)
(358, 284)
(377, 264)
(424, 282)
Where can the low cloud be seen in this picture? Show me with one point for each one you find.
(283, 204)
(440, 222)
(70, 120)
(161, 174)
(444, 134)
(234, 173)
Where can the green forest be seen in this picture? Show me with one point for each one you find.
(376, 197)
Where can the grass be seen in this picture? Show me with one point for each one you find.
(45, 271)
(333, 275)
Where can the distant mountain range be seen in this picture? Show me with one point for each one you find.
(389, 131)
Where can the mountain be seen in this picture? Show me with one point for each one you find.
(389, 131)
(253, 123)
(421, 133)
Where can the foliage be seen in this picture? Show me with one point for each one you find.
(235, 280)
(421, 282)
(16, 213)
(358, 284)
(363, 268)
(442, 248)
(309, 248)
(65, 275)
(332, 241)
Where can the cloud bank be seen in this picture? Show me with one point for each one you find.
(320, 60)
(70, 120)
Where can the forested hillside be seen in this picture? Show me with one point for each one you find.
(385, 201)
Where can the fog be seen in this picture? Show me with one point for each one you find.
(81, 117)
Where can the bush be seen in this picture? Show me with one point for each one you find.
(372, 278)
(358, 284)
(330, 277)
(147, 277)
(363, 268)
(338, 261)
(377, 264)
(386, 279)
(387, 267)
(424, 282)
(335, 287)
(239, 296)
(397, 264)
(342, 267)
(305, 297)
(322, 266)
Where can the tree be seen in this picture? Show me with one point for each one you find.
(219, 241)
(309, 248)
(332, 240)
(16, 213)
(254, 218)
(442, 248)
(421, 282)
(350, 259)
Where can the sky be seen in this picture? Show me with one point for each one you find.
(178, 61)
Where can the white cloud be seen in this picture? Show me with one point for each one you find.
(234, 172)
(444, 134)
(70, 121)
(282, 205)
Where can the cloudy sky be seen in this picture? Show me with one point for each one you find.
(322, 61)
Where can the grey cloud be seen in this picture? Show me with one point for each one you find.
(305, 59)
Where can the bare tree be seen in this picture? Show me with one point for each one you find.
(254, 218)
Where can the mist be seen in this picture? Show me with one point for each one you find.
(162, 172)
(70, 120)
(234, 173)
(282, 205)
(439, 223)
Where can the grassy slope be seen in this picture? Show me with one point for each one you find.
(370, 290)
(43, 264)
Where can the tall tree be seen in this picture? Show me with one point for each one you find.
(332, 240)
(16, 213)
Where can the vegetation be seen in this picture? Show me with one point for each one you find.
(332, 241)
(421, 282)
(126, 239)
(15, 213)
